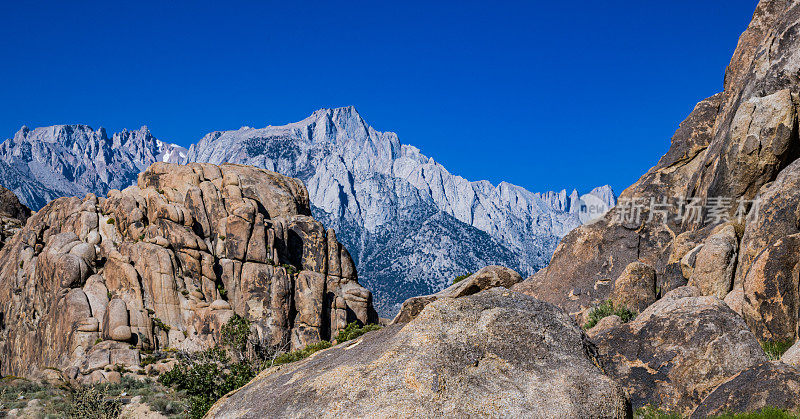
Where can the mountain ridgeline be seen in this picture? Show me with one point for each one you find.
(410, 225)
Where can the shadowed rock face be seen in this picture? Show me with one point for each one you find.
(165, 264)
(678, 350)
(739, 145)
(494, 353)
(767, 384)
(12, 215)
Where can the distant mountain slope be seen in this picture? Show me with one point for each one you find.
(410, 224)
(42, 164)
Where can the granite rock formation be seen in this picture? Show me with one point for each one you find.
(495, 353)
(678, 350)
(719, 212)
(89, 283)
(737, 148)
(12, 215)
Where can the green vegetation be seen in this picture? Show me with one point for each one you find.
(222, 291)
(290, 269)
(236, 333)
(110, 221)
(297, 355)
(353, 330)
(462, 277)
(99, 401)
(207, 376)
(775, 349)
(652, 412)
(606, 309)
(91, 402)
(159, 324)
(765, 413)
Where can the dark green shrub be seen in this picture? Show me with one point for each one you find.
(92, 403)
(774, 349)
(159, 324)
(206, 377)
(606, 309)
(299, 354)
(462, 277)
(353, 330)
(236, 333)
(110, 221)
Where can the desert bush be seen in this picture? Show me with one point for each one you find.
(353, 330)
(207, 376)
(606, 309)
(92, 403)
(462, 277)
(299, 354)
(236, 333)
(775, 349)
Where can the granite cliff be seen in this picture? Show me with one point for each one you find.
(90, 283)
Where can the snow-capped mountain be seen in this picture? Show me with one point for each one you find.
(72, 160)
(410, 225)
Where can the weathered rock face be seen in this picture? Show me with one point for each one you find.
(736, 146)
(635, 288)
(769, 384)
(12, 215)
(792, 355)
(495, 353)
(771, 297)
(678, 350)
(488, 277)
(165, 264)
(714, 263)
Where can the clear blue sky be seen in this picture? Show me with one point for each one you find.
(547, 95)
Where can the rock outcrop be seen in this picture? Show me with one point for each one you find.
(494, 353)
(719, 209)
(678, 350)
(12, 215)
(91, 282)
(486, 278)
(769, 384)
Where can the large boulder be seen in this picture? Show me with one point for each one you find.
(635, 288)
(771, 296)
(769, 384)
(494, 353)
(488, 277)
(166, 263)
(678, 350)
(714, 263)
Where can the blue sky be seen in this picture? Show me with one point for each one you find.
(546, 95)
